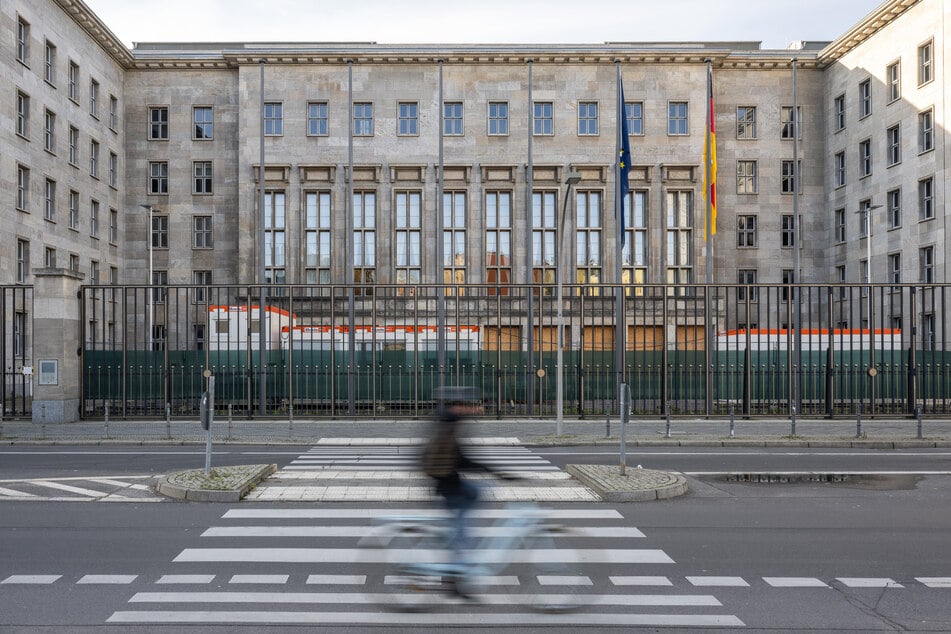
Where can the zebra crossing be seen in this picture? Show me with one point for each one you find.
(109, 488)
(385, 470)
(306, 566)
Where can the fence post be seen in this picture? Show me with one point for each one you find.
(792, 431)
(230, 405)
(732, 429)
(858, 421)
(106, 423)
(918, 410)
(667, 408)
(168, 421)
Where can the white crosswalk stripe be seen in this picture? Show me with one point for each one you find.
(107, 488)
(340, 471)
(310, 569)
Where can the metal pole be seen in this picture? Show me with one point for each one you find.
(351, 312)
(211, 418)
(619, 327)
(529, 300)
(150, 298)
(262, 271)
(440, 250)
(571, 179)
(797, 297)
(708, 239)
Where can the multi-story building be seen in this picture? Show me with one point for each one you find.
(425, 164)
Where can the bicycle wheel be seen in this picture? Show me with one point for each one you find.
(555, 578)
(414, 553)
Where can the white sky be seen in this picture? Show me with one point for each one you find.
(774, 22)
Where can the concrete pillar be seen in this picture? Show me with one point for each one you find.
(57, 340)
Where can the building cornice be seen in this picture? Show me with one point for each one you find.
(89, 22)
(874, 22)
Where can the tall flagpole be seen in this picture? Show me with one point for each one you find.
(619, 322)
(529, 300)
(440, 252)
(351, 335)
(796, 297)
(709, 230)
(262, 271)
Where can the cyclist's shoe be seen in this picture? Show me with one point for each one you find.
(456, 588)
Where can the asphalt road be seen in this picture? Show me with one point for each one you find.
(867, 555)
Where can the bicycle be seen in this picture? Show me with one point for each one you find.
(419, 566)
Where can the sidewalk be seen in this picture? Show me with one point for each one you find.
(642, 432)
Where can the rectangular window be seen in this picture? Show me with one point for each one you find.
(679, 230)
(787, 124)
(408, 240)
(201, 280)
(73, 210)
(159, 232)
(49, 73)
(94, 218)
(746, 231)
(787, 278)
(840, 278)
(23, 114)
(587, 118)
(202, 232)
(23, 260)
(926, 131)
(634, 112)
(49, 258)
(73, 79)
(158, 123)
(839, 169)
(113, 169)
(498, 118)
(49, 211)
(202, 171)
(893, 204)
(273, 118)
(363, 119)
(746, 177)
(894, 268)
(634, 251)
(788, 178)
(94, 159)
(677, 118)
(160, 282)
(746, 122)
(839, 108)
(364, 239)
(49, 132)
(158, 177)
(865, 98)
(317, 121)
(113, 226)
(840, 225)
(408, 114)
(454, 262)
(926, 265)
(588, 237)
(23, 188)
(926, 62)
(893, 79)
(544, 232)
(317, 238)
(543, 118)
(452, 118)
(94, 98)
(498, 237)
(23, 41)
(926, 199)
(743, 277)
(865, 158)
(893, 145)
(113, 112)
(787, 235)
(73, 146)
(865, 217)
(204, 122)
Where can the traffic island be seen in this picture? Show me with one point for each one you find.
(222, 484)
(636, 485)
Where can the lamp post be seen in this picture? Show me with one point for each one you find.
(572, 179)
(149, 299)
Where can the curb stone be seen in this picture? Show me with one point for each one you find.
(172, 485)
(637, 485)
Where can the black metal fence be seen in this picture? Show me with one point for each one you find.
(379, 351)
(16, 349)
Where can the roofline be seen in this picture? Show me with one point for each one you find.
(97, 30)
(871, 24)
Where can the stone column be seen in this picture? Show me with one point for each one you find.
(57, 340)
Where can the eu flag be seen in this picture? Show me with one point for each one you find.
(624, 162)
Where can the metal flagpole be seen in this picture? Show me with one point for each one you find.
(529, 300)
(619, 322)
(262, 271)
(351, 212)
(708, 239)
(797, 297)
(440, 251)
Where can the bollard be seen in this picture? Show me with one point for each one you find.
(607, 426)
(732, 429)
(290, 420)
(918, 413)
(792, 431)
(106, 423)
(858, 421)
(229, 420)
(168, 421)
(667, 433)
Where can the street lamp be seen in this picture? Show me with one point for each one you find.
(149, 246)
(572, 178)
(867, 211)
